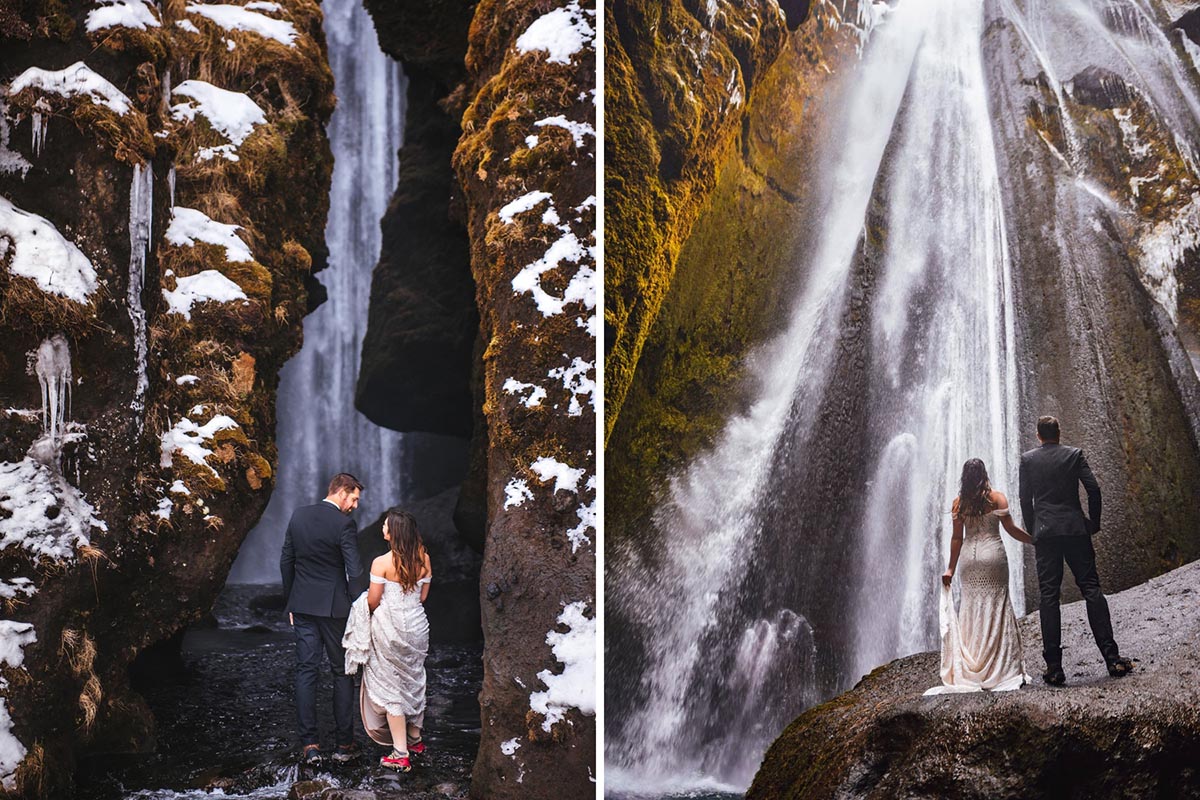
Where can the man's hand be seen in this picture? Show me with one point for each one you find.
(291, 621)
(947, 577)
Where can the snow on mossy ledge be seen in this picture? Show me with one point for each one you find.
(77, 80)
(188, 439)
(232, 114)
(189, 226)
(244, 18)
(209, 286)
(561, 33)
(136, 14)
(14, 636)
(35, 249)
(46, 515)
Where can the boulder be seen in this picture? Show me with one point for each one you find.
(1098, 736)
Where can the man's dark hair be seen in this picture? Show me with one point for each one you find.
(344, 481)
(1048, 429)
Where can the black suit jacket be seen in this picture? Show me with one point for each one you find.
(1049, 488)
(320, 551)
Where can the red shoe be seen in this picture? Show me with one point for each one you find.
(417, 748)
(396, 761)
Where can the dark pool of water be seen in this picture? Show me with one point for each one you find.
(226, 718)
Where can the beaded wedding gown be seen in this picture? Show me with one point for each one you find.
(981, 644)
(391, 645)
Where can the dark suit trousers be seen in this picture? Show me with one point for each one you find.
(1077, 551)
(314, 636)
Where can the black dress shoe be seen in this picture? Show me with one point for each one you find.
(1120, 667)
(1054, 675)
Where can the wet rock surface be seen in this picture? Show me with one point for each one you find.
(422, 324)
(224, 700)
(1137, 736)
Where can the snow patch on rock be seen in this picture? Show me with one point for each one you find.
(560, 33)
(136, 14)
(14, 636)
(231, 114)
(187, 439)
(189, 226)
(576, 686)
(203, 287)
(536, 393)
(245, 18)
(565, 478)
(525, 202)
(516, 492)
(73, 81)
(45, 514)
(40, 252)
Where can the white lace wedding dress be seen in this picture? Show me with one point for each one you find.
(981, 644)
(391, 645)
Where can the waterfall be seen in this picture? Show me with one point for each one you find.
(141, 208)
(319, 432)
(748, 611)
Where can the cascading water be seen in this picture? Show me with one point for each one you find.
(141, 220)
(319, 431)
(738, 638)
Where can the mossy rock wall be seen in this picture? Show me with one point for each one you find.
(164, 554)
(529, 126)
(734, 279)
(678, 85)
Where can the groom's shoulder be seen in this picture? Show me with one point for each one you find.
(1028, 454)
(311, 511)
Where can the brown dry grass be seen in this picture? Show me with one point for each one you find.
(23, 303)
(127, 135)
(89, 701)
(30, 777)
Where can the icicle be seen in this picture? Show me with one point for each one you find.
(10, 160)
(171, 184)
(53, 369)
(39, 133)
(141, 209)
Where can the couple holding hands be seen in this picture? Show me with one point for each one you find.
(981, 644)
(384, 631)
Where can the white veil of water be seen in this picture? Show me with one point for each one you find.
(941, 380)
(319, 431)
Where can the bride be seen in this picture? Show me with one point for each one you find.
(389, 634)
(981, 644)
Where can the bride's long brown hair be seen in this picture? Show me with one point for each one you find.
(408, 550)
(974, 490)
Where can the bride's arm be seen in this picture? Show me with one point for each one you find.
(375, 591)
(1014, 530)
(428, 574)
(1006, 520)
(956, 540)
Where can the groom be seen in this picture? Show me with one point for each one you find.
(320, 551)
(1049, 488)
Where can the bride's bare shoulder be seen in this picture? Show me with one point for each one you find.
(999, 500)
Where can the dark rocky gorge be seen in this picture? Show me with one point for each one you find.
(160, 478)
